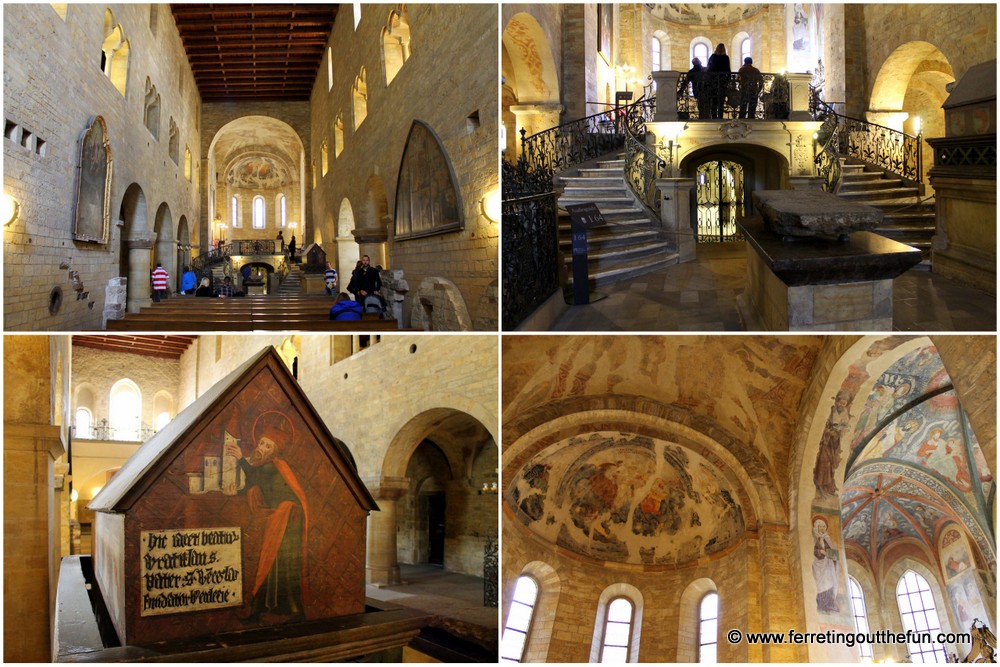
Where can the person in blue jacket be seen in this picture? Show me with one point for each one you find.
(345, 308)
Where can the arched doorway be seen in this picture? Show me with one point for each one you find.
(164, 247)
(347, 247)
(136, 242)
(720, 195)
(183, 250)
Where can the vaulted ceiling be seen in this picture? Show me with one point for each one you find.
(254, 52)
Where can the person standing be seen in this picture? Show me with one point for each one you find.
(160, 280)
(330, 279)
(717, 80)
(291, 250)
(280, 241)
(696, 77)
(366, 280)
(751, 84)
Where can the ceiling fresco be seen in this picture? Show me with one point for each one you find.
(704, 13)
(258, 172)
(914, 463)
(627, 499)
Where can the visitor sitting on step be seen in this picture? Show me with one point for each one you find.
(226, 288)
(345, 309)
(205, 289)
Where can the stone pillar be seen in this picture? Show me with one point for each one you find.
(382, 568)
(799, 84)
(666, 95)
(31, 527)
(534, 118)
(675, 215)
(891, 119)
(372, 242)
(139, 289)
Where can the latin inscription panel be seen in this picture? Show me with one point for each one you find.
(191, 570)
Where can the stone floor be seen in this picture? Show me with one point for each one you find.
(451, 596)
(701, 296)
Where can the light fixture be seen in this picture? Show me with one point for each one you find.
(916, 124)
(9, 209)
(490, 205)
(74, 496)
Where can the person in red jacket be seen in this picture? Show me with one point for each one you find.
(160, 280)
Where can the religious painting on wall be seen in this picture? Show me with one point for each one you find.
(605, 30)
(961, 577)
(427, 198)
(247, 515)
(92, 217)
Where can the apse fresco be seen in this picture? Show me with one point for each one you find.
(628, 499)
(961, 577)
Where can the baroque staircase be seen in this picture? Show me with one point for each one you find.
(292, 284)
(907, 217)
(630, 244)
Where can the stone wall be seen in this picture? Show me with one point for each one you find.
(99, 370)
(450, 84)
(53, 88)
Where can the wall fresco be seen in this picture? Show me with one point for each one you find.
(628, 499)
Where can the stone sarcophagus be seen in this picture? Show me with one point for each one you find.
(243, 512)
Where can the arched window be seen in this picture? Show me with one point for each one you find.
(282, 211)
(745, 50)
(84, 420)
(114, 53)
(617, 638)
(125, 409)
(395, 44)
(151, 110)
(173, 144)
(338, 136)
(329, 68)
(919, 614)
(860, 612)
(187, 163)
(360, 96)
(162, 420)
(324, 153)
(700, 49)
(258, 212)
(235, 219)
(515, 631)
(708, 628)
(654, 47)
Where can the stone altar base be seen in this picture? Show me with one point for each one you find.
(820, 285)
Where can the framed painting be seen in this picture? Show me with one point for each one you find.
(605, 30)
(92, 217)
(427, 197)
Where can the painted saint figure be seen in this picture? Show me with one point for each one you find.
(280, 586)
(828, 457)
(825, 568)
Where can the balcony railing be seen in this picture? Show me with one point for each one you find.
(102, 430)
(697, 96)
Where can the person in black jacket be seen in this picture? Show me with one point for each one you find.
(696, 77)
(717, 80)
(365, 280)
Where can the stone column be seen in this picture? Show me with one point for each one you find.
(666, 95)
(675, 214)
(31, 527)
(382, 568)
(534, 118)
(138, 273)
(372, 242)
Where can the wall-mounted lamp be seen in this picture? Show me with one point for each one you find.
(293, 225)
(490, 205)
(9, 209)
(916, 125)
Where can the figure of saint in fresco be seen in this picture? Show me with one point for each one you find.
(825, 568)
(275, 495)
(828, 457)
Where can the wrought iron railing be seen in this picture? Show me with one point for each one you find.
(970, 153)
(642, 164)
(530, 245)
(870, 143)
(203, 263)
(102, 430)
(491, 573)
(255, 247)
(576, 142)
(716, 95)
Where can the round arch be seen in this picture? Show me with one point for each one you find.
(688, 630)
(135, 242)
(347, 248)
(375, 217)
(549, 588)
(164, 247)
(532, 69)
(440, 423)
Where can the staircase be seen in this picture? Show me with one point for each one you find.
(630, 244)
(292, 284)
(906, 219)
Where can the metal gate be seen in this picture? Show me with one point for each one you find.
(720, 201)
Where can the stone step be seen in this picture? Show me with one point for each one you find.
(592, 181)
(611, 164)
(627, 270)
(617, 226)
(861, 177)
(871, 186)
(598, 257)
(616, 246)
(869, 196)
(601, 173)
(595, 194)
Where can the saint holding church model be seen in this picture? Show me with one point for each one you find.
(274, 494)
